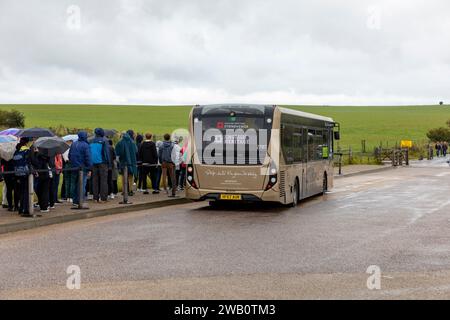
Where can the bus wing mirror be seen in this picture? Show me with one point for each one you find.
(337, 135)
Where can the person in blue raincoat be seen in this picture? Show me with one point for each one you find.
(80, 157)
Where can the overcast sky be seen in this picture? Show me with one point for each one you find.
(210, 51)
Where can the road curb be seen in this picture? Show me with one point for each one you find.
(42, 222)
(365, 172)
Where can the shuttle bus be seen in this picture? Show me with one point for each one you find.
(258, 153)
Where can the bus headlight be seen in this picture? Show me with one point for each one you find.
(190, 176)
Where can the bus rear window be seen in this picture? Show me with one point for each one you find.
(233, 140)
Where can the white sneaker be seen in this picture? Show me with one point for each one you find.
(112, 196)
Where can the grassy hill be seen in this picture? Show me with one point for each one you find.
(373, 124)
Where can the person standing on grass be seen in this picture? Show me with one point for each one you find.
(126, 151)
(100, 154)
(168, 164)
(22, 168)
(80, 157)
(149, 157)
(438, 149)
(444, 148)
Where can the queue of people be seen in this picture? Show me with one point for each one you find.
(57, 178)
(441, 148)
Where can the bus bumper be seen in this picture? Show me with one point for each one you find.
(271, 195)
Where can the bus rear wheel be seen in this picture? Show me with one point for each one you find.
(296, 192)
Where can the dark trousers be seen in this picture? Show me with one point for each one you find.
(10, 187)
(21, 191)
(63, 189)
(68, 189)
(177, 178)
(182, 181)
(77, 197)
(154, 177)
(100, 181)
(55, 188)
(43, 193)
(110, 182)
(158, 174)
(142, 177)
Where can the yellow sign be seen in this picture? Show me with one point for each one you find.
(406, 144)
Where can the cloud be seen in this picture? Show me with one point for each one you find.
(184, 52)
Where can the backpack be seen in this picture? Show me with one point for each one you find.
(58, 163)
(21, 163)
(166, 153)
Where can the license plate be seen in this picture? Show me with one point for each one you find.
(230, 197)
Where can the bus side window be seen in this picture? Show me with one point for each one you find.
(318, 144)
(287, 143)
(297, 144)
(311, 146)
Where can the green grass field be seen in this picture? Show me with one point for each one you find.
(373, 124)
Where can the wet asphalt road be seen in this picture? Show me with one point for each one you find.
(397, 219)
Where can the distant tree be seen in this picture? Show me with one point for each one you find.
(12, 119)
(441, 103)
(439, 134)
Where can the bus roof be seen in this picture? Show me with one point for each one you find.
(282, 109)
(305, 114)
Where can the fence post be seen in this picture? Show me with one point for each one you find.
(350, 155)
(340, 164)
(31, 194)
(125, 186)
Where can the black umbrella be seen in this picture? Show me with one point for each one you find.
(51, 146)
(35, 133)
